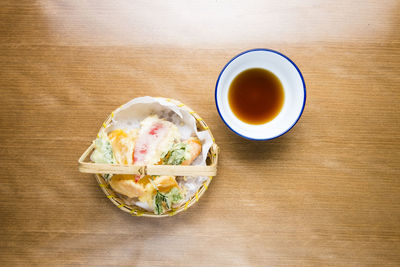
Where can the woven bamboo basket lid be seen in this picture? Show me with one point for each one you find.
(210, 170)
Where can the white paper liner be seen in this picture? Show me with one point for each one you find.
(129, 116)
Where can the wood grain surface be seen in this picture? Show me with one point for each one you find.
(326, 193)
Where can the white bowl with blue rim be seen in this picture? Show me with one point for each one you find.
(293, 85)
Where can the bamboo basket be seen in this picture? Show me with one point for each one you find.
(210, 170)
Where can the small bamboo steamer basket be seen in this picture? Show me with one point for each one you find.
(212, 158)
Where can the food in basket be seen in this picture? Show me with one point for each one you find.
(155, 142)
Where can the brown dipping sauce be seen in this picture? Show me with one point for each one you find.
(256, 96)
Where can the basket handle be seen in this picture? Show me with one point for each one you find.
(172, 170)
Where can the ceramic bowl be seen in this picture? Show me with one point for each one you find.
(292, 81)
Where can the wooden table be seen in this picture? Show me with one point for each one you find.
(326, 193)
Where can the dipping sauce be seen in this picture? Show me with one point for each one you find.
(256, 96)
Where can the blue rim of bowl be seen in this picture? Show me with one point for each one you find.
(266, 50)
